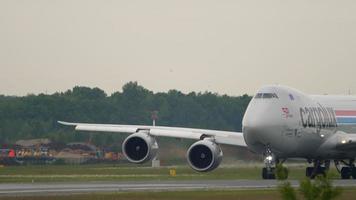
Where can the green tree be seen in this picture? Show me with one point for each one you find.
(321, 188)
(287, 191)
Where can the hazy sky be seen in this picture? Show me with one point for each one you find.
(230, 47)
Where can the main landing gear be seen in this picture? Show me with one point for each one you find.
(319, 168)
(348, 171)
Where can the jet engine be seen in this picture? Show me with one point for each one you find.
(204, 155)
(140, 147)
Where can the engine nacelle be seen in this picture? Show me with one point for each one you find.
(204, 155)
(140, 147)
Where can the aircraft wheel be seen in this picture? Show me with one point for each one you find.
(353, 173)
(346, 173)
(272, 175)
(268, 174)
(309, 172)
(321, 171)
(264, 173)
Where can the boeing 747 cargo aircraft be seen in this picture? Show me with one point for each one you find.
(279, 123)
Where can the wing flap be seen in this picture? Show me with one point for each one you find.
(237, 140)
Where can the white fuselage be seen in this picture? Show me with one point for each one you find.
(294, 124)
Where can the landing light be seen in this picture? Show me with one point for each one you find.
(269, 158)
(343, 141)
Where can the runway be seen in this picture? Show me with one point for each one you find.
(19, 189)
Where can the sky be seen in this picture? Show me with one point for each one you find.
(225, 46)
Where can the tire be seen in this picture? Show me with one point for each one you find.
(309, 172)
(353, 173)
(264, 173)
(272, 176)
(268, 174)
(345, 173)
(321, 171)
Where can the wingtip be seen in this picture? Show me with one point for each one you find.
(66, 123)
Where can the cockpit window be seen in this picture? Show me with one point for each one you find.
(269, 95)
(266, 96)
(258, 96)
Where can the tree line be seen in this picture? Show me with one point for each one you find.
(35, 116)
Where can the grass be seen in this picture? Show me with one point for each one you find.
(105, 172)
(186, 195)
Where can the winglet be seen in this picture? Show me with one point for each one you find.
(67, 123)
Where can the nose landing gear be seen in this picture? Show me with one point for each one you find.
(269, 172)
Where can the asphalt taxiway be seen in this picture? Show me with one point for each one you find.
(19, 189)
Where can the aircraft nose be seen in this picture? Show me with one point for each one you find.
(254, 127)
(256, 116)
(261, 124)
(254, 120)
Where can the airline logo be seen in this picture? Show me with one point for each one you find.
(319, 117)
(346, 116)
(286, 113)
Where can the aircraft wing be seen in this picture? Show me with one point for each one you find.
(220, 137)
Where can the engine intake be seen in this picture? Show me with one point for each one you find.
(204, 155)
(140, 147)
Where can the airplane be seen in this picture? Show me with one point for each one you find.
(280, 123)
